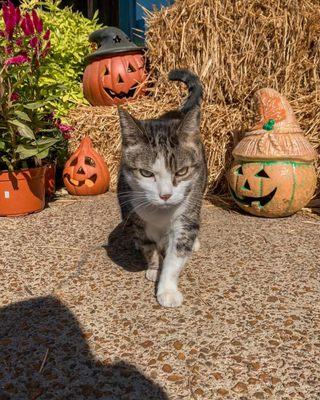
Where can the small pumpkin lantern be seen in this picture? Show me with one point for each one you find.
(273, 174)
(116, 71)
(85, 172)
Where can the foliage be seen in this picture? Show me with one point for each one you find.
(64, 66)
(29, 133)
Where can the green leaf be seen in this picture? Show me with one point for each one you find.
(47, 142)
(24, 130)
(27, 150)
(43, 154)
(22, 115)
(35, 105)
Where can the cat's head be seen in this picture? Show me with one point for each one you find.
(161, 159)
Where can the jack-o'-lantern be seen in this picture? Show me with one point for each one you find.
(273, 174)
(85, 172)
(116, 71)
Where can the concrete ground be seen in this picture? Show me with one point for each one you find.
(78, 320)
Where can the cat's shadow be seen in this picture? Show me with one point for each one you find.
(121, 250)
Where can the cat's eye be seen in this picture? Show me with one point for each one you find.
(145, 173)
(182, 171)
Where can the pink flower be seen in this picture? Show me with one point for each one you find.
(65, 128)
(34, 42)
(21, 59)
(11, 17)
(46, 49)
(19, 42)
(27, 25)
(8, 49)
(46, 36)
(66, 136)
(15, 96)
(37, 22)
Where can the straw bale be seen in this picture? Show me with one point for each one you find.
(236, 48)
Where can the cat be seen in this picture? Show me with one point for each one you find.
(163, 175)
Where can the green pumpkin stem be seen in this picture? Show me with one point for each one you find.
(269, 125)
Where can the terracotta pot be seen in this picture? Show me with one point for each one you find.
(22, 192)
(273, 174)
(50, 180)
(86, 173)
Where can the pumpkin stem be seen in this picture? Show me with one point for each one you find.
(269, 125)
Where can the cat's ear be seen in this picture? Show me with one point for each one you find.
(189, 127)
(131, 130)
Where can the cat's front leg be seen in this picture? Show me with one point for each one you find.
(178, 251)
(152, 257)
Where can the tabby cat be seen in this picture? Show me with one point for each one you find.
(161, 183)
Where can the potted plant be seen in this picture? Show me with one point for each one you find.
(30, 136)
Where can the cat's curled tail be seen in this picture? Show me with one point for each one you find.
(194, 86)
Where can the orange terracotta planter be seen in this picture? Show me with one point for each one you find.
(22, 192)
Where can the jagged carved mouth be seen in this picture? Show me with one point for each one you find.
(131, 92)
(248, 200)
(88, 182)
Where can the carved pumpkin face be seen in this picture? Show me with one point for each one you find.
(272, 188)
(85, 172)
(113, 80)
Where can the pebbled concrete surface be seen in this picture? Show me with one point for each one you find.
(78, 320)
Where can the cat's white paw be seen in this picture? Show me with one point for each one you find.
(152, 275)
(196, 245)
(170, 298)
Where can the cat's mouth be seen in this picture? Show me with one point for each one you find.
(122, 95)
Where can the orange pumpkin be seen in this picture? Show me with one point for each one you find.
(113, 80)
(85, 172)
(273, 174)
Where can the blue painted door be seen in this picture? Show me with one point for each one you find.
(131, 16)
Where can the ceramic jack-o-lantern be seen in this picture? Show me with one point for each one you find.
(116, 71)
(85, 172)
(273, 174)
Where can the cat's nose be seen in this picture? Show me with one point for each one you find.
(165, 197)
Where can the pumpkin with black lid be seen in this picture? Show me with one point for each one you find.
(116, 70)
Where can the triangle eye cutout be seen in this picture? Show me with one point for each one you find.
(239, 171)
(131, 68)
(246, 186)
(106, 71)
(262, 174)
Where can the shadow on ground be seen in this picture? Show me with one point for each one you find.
(44, 355)
(121, 250)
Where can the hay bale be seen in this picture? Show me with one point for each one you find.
(236, 47)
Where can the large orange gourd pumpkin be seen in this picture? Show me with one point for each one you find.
(85, 172)
(116, 71)
(273, 174)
